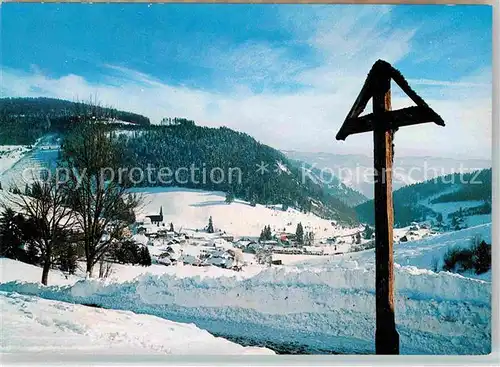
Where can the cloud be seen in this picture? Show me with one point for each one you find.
(345, 43)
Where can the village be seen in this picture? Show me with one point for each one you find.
(213, 246)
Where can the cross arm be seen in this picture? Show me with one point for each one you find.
(392, 120)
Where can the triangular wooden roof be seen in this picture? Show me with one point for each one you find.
(421, 113)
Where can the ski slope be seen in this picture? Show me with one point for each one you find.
(9, 155)
(33, 325)
(25, 164)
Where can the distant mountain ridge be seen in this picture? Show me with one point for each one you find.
(333, 185)
(353, 169)
(439, 199)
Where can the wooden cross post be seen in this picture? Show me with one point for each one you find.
(384, 122)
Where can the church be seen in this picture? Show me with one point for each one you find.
(156, 219)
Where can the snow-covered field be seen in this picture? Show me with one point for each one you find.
(190, 209)
(31, 324)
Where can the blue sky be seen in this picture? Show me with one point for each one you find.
(286, 74)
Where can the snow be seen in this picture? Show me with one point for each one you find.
(282, 167)
(9, 155)
(426, 253)
(322, 304)
(13, 270)
(450, 207)
(63, 327)
(330, 309)
(476, 220)
(190, 209)
(24, 164)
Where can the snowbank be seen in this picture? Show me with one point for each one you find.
(66, 328)
(322, 309)
(13, 270)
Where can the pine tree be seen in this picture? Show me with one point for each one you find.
(299, 234)
(171, 229)
(309, 238)
(145, 257)
(358, 238)
(269, 235)
(11, 234)
(210, 227)
(229, 197)
(266, 234)
(68, 259)
(368, 232)
(262, 236)
(482, 257)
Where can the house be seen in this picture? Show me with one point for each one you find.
(284, 236)
(311, 250)
(269, 242)
(156, 219)
(165, 234)
(141, 230)
(288, 250)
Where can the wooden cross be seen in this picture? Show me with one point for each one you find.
(384, 122)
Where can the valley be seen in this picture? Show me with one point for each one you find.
(272, 264)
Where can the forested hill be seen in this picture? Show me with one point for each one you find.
(464, 194)
(267, 176)
(333, 185)
(23, 120)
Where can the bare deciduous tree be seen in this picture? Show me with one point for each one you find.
(52, 220)
(97, 193)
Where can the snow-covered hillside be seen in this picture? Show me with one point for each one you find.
(24, 164)
(191, 209)
(451, 207)
(9, 155)
(31, 324)
(426, 253)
